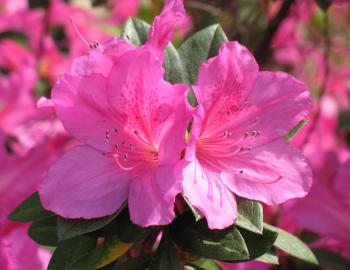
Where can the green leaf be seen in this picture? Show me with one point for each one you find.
(206, 264)
(69, 251)
(197, 215)
(174, 70)
(258, 244)
(44, 231)
(198, 239)
(123, 227)
(292, 245)
(250, 215)
(199, 47)
(331, 260)
(136, 32)
(269, 257)
(69, 228)
(165, 257)
(104, 254)
(137, 263)
(29, 210)
(294, 130)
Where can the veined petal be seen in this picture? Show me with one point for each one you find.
(81, 104)
(272, 173)
(224, 82)
(152, 197)
(149, 106)
(204, 190)
(84, 183)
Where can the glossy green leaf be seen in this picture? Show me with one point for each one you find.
(44, 231)
(29, 210)
(136, 32)
(250, 215)
(199, 47)
(292, 245)
(258, 244)
(69, 228)
(69, 251)
(165, 257)
(331, 260)
(206, 264)
(137, 263)
(197, 215)
(269, 257)
(123, 227)
(196, 238)
(102, 255)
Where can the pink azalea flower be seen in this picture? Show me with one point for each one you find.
(236, 145)
(132, 125)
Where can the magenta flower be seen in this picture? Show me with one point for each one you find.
(236, 145)
(132, 125)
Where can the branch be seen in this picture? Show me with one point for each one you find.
(263, 50)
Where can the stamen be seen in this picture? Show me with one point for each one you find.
(93, 45)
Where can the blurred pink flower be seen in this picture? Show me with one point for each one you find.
(123, 9)
(17, 104)
(90, 25)
(236, 145)
(334, 196)
(132, 125)
(19, 177)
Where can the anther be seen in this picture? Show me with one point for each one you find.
(125, 156)
(107, 135)
(116, 146)
(116, 130)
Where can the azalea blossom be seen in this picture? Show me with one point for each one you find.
(236, 144)
(132, 126)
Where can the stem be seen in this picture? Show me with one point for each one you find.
(263, 50)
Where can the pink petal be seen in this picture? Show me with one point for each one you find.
(84, 184)
(272, 173)
(152, 197)
(204, 190)
(229, 75)
(94, 62)
(149, 106)
(100, 60)
(279, 102)
(82, 106)
(323, 213)
(224, 82)
(162, 28)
